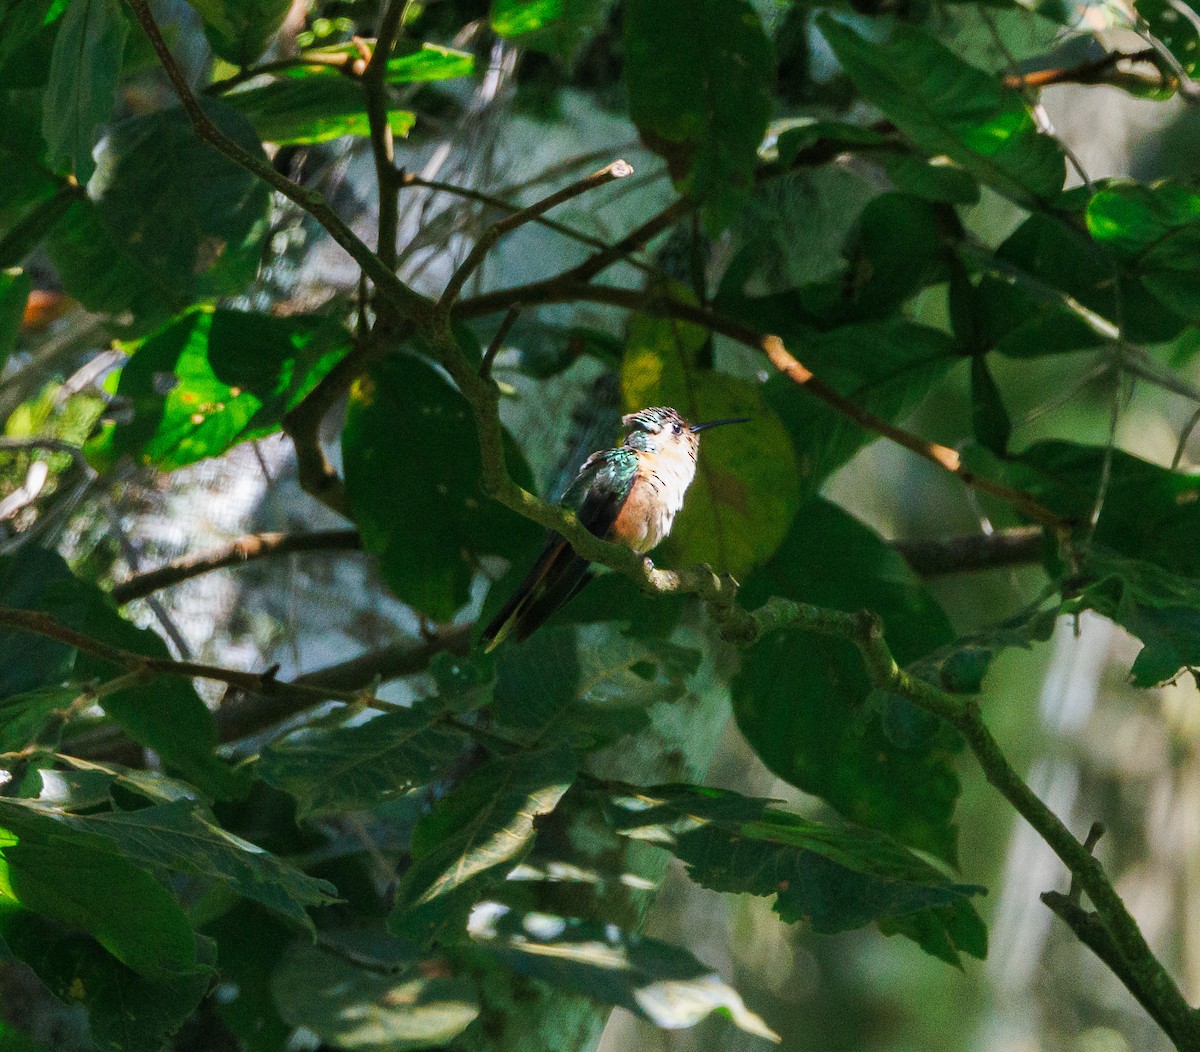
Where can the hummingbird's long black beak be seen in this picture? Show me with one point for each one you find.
(720, 423)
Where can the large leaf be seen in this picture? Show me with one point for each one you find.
(64, 876)
(833, 878)
(345, 768)
(559, 26)
(949, 107)
(240, 30)
(745, 494)
(212, 379)
(1154, 231)
(653, 979)
(32, 197)
(412, 476)
(474, 837)
(1027, 318)
(83, 82)
(182, 836)
(805, 703)
(699, 74)
(167, 219)
(353, 1008)
(165, 715)
(302, 112)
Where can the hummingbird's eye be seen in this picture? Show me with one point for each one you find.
(677, 427)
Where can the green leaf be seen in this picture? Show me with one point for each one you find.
(745, 494)
(167, 220)
(558, 26)
(64, 876)
(1179, 33)
(1155, 232)
(240, 30)
(937, 179)
(352, 1008)
(699, 74)
(422, 515)
(592, 686)
(989, 417)
(165, 715)
(81, 94)
(833, 878)
(1021, 320)
(1149, 512)
(183, 836)
(806, 706)
(127, 1012)
(474, 836)
(301, 112)
(15, 286)
(948, 107)
(886, 368)
(214, 378)
(410, 64)
(1160, 608)
(798, 134)
(346, 768)
(653, 979)
(27, 32)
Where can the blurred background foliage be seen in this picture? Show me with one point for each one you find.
(881, 183)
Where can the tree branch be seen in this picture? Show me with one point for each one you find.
(375, 88)
(617, 170)
(1093, 71)
(244, 549)
(407, 302)
(977, 551)
(557, 290)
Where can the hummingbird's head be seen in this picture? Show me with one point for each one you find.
(661, 429)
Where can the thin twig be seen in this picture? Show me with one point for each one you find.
(347, 62)
(1093, 71)
(978, 551)
(492, 201)
(617, 170)
(489, 357)
(244, 549)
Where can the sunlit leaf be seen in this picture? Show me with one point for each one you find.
(1155, 232)
(950, 108)
(833, 878)
(408, 65)
(653, 979)
(559, 26)
(474, 836)
(303, 112)
(365, 1011)
(212, 379)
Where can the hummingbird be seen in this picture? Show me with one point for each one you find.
(629, 495)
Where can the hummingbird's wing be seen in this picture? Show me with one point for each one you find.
(597, 496)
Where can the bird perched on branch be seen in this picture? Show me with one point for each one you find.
(630, 495)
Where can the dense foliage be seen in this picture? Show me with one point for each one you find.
(471, 866)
